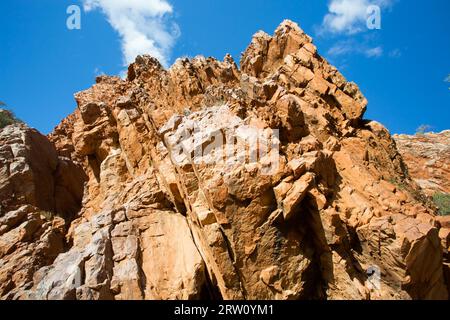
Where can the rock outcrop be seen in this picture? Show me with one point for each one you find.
(210, 181)
(428, 158)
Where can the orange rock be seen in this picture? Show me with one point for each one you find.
(428, 158)
(208, 181)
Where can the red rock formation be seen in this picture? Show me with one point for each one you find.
(428, 158)
(39, 195)
(169, 213)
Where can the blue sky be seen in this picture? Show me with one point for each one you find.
(400, 68)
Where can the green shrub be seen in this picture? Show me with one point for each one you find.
(6, 118)
(442, 201)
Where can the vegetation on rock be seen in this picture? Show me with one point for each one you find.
(7, 117)
(442, 201)
(422, 129)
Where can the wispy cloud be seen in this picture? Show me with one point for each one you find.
(349, 16)
(98, 72)
(396, 53)
(341, 48)
(347, 47)
(374, 52)
(144, 26)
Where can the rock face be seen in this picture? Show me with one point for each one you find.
(209, 181)
(428, 158)
(39, 194)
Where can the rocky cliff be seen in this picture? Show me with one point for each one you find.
(209, 181)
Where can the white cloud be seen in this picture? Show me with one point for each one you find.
(144, 26)
(349, 16)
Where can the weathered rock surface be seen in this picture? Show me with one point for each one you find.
(428, 158)
(178, 203)
(39, 194)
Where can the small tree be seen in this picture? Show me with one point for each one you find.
(423, 128)
(7, 117)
